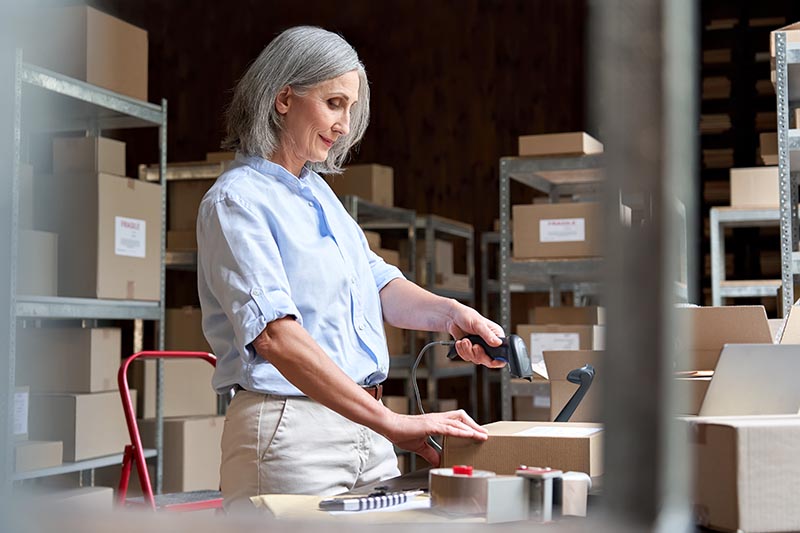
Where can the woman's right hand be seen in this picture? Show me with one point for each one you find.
(411, 432)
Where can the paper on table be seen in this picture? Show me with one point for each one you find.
(415, 503)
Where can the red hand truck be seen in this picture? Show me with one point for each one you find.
(134, 452)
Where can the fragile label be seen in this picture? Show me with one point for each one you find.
(562, 230)
(553, 342)
(130, 237)
(551, 431)
(20, 413)
(541, 401)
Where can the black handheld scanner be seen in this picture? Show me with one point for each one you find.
(512, 351)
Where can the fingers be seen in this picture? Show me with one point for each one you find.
(459, 424)
(475, 353)
(430, 455)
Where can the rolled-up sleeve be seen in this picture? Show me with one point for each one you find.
(242, 266)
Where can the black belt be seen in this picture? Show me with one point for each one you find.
(376, 391)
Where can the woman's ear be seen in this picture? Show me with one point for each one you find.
(283, 100)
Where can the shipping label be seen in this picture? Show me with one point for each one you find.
(130, 237)
(553, 342)
(562, 230)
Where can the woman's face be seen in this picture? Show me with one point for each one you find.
(312, 122)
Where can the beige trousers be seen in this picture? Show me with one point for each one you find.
(294, 445)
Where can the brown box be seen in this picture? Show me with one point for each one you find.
(455, 282)
(392, 257)
(755, 187)
(35, 454)
(396, 339)
(542, 231)
(89, 425)
(398, 404)
(37, 272)
(109, 235)
(192, 451)
(88, 154)
(373, 239)
(559, 364)
(565, 446)
(534, 404)
(183, 201)
(710, 328)
(21, 413)
(691, 391)
(65, 359)
(567, 315)
(443, 260)
(187, 383)
(560, 338)
(89, 45)
(374, 183)
(181, 240)
(747, 473)
(768, 148)
(574, 143)
(218, 157)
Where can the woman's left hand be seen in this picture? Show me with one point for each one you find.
(464, 321)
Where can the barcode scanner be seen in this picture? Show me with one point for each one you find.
(511, 351)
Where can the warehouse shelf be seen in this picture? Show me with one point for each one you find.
(787, 93)
(734, 217)
(183, 260)
(47, 102)
(79, 308)
(197, 170)
(79, 466)
(557, 176)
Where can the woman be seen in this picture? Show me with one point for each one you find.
(293, 299)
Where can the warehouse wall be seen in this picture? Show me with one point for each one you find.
(454, 82)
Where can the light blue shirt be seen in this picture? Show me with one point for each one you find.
(271, 245)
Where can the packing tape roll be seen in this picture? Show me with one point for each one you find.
(459, 493)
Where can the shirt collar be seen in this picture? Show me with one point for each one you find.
(268, 168)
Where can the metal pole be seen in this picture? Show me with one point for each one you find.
(632, 56)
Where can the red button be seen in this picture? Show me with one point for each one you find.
(464, 470)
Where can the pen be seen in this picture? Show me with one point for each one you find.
(368, 502)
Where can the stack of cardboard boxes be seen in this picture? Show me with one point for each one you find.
(560, 339)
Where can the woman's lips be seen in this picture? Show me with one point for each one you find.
(327, 141)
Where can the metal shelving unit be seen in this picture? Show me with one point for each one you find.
(79, 466)
(557, 177)
(430, 227)
(732, 217)
(787, 91)
(45, 101)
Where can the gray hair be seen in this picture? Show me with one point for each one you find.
(300, 58)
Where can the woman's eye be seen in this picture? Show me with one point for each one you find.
(334, 103)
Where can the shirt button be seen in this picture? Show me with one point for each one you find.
(353, 280)
(311, 204)
(361, 327)
(256, 292)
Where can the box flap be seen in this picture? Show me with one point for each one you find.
(791, 327)
(713, 327)
(520, 428)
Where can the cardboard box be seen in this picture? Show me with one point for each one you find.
(21, 414)
(109, 235)
(768, 148)
(564, 315)
(559, 364)
(88, 154)
(65, 359)
(747, 473)
(391, 257)
(374, 183)
(755, 187)
(690, 391)
(455, 282)
(183, 201)
(396, 340)
(443, 260)
(710, 328)
(192, 451)
(373, 239)
(218, 157)
(565, 446)
(182, 240)
(398, 404)
(560, 338)
(89, 425)
(542, 231)
(37, 272)
(89, 45)
(187, 383)
(557, 144)
(535, 404)
(34, 454)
